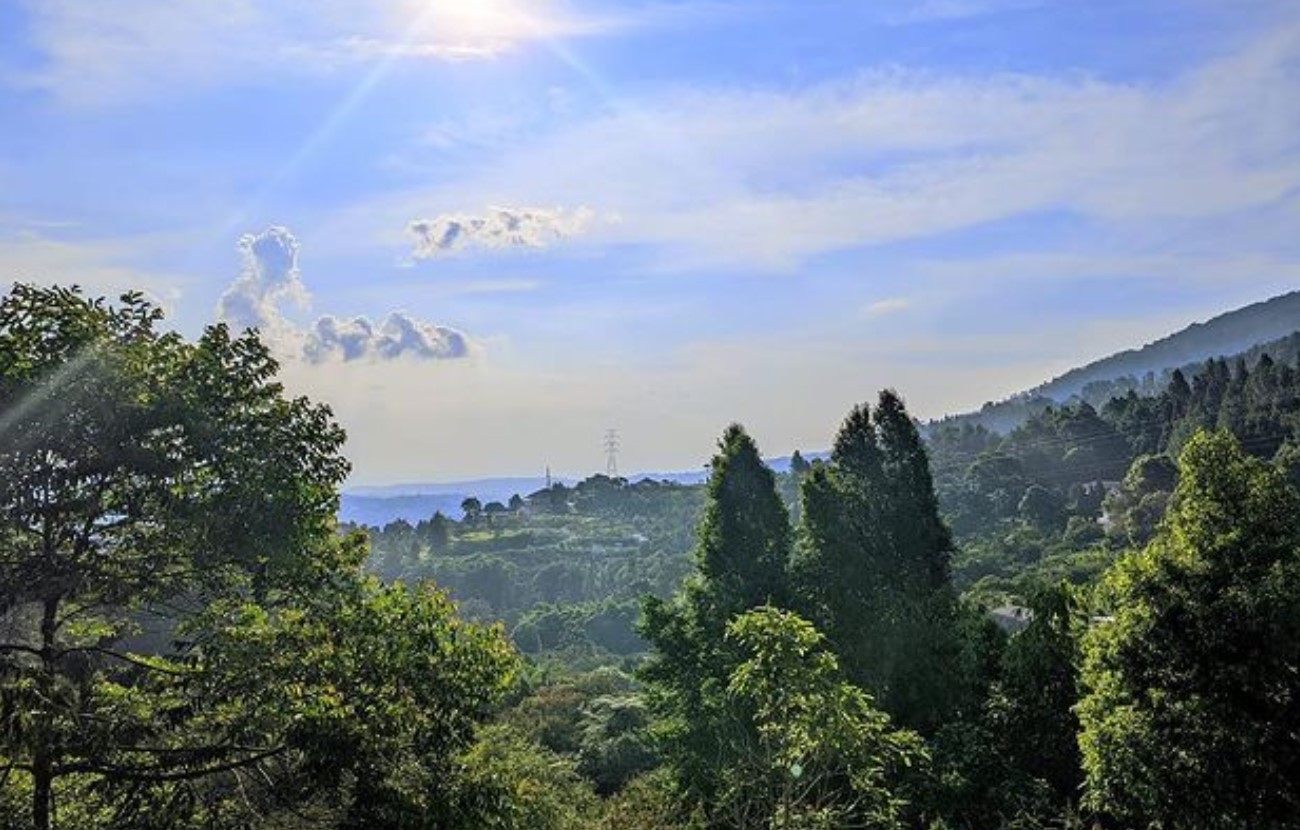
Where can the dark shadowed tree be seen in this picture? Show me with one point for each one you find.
(472, 508)
(872, 565)
(741, 559)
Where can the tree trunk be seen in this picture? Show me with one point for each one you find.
(42, 790)
(42, 756)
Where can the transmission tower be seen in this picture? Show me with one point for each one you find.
(612, 442)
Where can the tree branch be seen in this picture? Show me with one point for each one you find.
(160, 774)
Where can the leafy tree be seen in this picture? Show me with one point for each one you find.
(744, 534)
(1190, 717)
(819, 754)
(370, 690)
(509, 783)
(186, 639)
(615, 744)
(1037, 691)
(125, 451)
(649, 802)
(473, 510)
(436, 532)
(1042, 508)
(988, 493)
(799, 465)
(553, 712)
(1137, 507)
(1287, 459)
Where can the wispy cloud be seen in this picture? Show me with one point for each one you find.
(36, 251)
(930, 11)
(882, 308)
(477, 287)
(109, 50)
(270, 277)
(766, 179)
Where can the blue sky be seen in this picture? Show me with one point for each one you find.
(485, 232)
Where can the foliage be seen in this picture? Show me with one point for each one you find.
(549, 710)
(872, 565)
(819, 754)
(1190, 714)
(648, 802)
(187, 642)
(187, 638)
(1135, 510)
(509, 783)
(615, 744)
(741, 560)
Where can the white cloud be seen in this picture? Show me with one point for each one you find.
(270, 277)
(497, 228)
(397, 336)
(892, 305)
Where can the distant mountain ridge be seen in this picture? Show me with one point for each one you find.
(1224, 335)
(1271, 325)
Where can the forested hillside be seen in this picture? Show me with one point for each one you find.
(565, 567)
(1060, 495)
(1091, 621)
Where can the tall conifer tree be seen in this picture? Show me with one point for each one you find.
(872, 563)
(741, 557)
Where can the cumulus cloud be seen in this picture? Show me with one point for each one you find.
(498, 228)
(270, 277)
(397, 336)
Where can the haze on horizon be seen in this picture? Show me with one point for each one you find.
(486, 232)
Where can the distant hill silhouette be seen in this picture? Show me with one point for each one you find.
(1228, 334)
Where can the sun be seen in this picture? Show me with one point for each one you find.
(470, 22)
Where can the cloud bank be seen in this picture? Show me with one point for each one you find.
(270, 277)
(497, 228)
